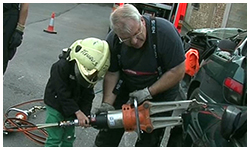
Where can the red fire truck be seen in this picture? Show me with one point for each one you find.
(174, 12)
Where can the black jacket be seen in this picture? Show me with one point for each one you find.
(63, 93)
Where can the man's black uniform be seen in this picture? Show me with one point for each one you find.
(138, 69)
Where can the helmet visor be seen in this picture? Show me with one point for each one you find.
(87, 78)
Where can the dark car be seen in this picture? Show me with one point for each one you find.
(206, 39)
(213, 126)
(221, 83)
(222, 76)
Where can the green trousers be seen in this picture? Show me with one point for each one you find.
(58, 136)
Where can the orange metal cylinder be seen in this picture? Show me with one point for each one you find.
(129, 117)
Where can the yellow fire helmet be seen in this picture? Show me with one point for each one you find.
(92, 58)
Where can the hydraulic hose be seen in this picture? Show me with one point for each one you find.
(21, 124)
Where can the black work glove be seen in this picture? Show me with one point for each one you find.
(16, 39)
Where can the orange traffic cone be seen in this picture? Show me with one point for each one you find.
(50, 28)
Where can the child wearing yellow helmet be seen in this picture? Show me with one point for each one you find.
(69, 91)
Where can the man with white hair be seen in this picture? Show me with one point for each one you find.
(147, 63)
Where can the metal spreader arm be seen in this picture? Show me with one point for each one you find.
(178, 107)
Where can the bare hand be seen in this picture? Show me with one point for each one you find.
(83, 120)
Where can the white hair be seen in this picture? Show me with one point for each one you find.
(120, 15)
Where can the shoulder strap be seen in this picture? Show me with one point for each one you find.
(154, 36)
(117, 46)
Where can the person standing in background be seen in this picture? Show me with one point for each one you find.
(14, 19)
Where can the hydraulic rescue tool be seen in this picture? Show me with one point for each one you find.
(138, 118)
(131, 117)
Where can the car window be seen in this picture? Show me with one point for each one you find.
(221, 33)
(214, 68)
(219, 66)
